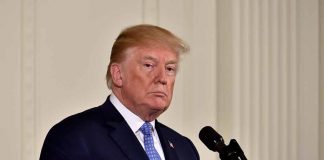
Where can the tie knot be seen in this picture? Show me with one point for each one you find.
(146, 128)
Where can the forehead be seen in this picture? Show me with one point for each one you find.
(155, 54)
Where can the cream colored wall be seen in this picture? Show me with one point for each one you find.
(308, 79)
(321, 113)
(53, 58)
(10, 69)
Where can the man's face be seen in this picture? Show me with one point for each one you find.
(148, 77)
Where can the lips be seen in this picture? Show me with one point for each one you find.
(159, 94)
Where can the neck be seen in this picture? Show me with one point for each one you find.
(145, 115)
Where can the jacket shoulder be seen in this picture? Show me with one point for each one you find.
(79, 121)
(187, 149)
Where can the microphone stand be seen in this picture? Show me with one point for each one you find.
(232, 151)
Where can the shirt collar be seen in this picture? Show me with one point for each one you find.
(132, 119)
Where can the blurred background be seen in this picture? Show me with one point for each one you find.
(254, 73)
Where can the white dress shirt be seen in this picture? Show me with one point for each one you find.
(135, 124)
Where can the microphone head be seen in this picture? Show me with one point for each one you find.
(211, 139)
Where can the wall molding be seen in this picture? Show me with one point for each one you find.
(28, 80)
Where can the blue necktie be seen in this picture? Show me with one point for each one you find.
(151, 152)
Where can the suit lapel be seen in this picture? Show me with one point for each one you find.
(121, 133)
(166, 142)
(127, 141)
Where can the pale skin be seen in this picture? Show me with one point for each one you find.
(144, 80)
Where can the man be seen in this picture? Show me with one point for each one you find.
(141, 74)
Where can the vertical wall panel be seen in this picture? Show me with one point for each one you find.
(10, 86)
(265, 81)
(308, 78)
(274, 114)
(292, 80)
(245, 70)
(283, 63)
(28, 80)
(265, 67)
(321, 110)
(237, 74)
(255, 82)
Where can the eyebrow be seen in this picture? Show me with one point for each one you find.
(156, 60)
(150, 58)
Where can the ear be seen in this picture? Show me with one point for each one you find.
(116, 74)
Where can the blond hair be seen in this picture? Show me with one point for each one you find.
(143, 35)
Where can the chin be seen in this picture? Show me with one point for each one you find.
(159, 106)
(156, 110)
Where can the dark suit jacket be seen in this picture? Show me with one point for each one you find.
(101, 133)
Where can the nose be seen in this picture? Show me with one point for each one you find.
(161, 76)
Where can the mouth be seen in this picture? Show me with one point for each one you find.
(159, 94)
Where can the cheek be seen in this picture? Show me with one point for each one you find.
(171, 86)
(134, 76)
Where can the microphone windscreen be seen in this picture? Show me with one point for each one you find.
(211, 139)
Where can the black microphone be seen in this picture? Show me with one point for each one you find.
(215, 142)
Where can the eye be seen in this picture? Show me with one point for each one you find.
(148, 65)
(171, 70)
